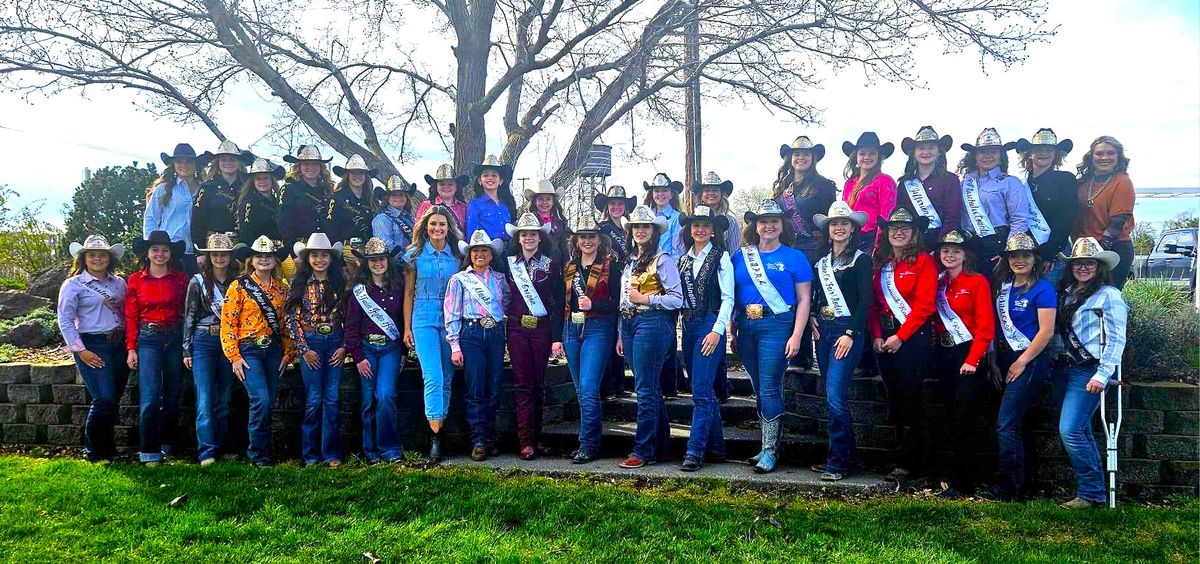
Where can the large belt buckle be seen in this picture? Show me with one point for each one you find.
(947, 340)
(324, 328)
(378, 340)
(487, 322)
(262, 341)
(827, 312)
(529, 321)
(754, 311)
(628, 313)
(578, 317)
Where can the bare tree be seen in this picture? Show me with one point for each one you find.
(373, 76)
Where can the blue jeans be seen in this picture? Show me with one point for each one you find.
(262, 379)
(380, 417)
(762, 344)
(837, 373)
(437, 371)
(645, 340)
(483, 365)
(160, 373)
(1019, 395)
(707, 434)
(319, 440)
(588, 347)
(105, 386)
(213, 375)
(1075, 429)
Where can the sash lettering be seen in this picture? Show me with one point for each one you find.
(376, 313)
(525, 287)
(953, 323)
(920, 201)
(215, 301)
(111, 303)
(900, 308)
(758, 275)
(481, 292)
(1037, 222)
(1017, 340)
(975, 212)
(829, 285)
(259, 296)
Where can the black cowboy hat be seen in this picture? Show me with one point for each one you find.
(663, 181)
(869, 140)
(183, 150)
(902, 216)
(926, 134)
(617, 192)
(803, 143)
(142, 246)
(711, 180)
(1045, 137)
(720, 223)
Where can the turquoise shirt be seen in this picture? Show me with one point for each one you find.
(433, 269)
(175, 217)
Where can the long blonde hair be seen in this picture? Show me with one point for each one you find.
(325, 179)
(453, 236)
(1085, 166)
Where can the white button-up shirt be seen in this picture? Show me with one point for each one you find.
(724, 281)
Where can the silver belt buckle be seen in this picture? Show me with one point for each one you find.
(487, 322)
(378, 340)
(578, 317)
(827, 312)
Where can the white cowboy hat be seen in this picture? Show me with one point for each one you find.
(97, 243)
(643, 215)
(840, 210)
(543, 187)
(480, 239)
(317, 242)
(216, 243)
(1089, 248)
(527, 222)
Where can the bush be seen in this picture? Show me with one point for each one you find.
(45, 317)
(27, 244)
(13, 284)
(1163, 333)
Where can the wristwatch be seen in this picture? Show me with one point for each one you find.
(849, 333)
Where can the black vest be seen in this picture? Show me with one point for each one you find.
(704, 296)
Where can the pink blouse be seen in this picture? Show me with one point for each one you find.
(460, 211)
(876, 199)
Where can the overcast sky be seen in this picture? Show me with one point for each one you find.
(1122, 68)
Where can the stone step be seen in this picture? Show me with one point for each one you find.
(617, 440)
(739, 383)
(737, 411)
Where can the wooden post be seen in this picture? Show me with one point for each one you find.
(692, 172)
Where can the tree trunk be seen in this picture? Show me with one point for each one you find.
(474, 43)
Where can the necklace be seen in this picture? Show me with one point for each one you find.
(1092, 193)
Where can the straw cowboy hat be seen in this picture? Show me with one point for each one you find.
(988, 139)
(643, 215)
(926, 135)
(142, 246)
(543, 187)
(868, 140)
(768, 208)
(480, 239)
(217, 243)
(1020, 242)
(711, 180)
(492, 162)
(317, 242)
(527, 222)
(263, 166)
(228, 147)
(803, 143)
(901, 216)
(1044, 137)
(306, 153)
(373, 248)
(261, 246)
(183, 151)
(720, 223)
(615, 192)
(953, 237)
(397, 183)
(586, 224)
(446, 172)
(1089, 248)
(97, 243)
(663, 181)
(840, 210)
(356, 163)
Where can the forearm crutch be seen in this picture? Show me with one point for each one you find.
(1112, 429)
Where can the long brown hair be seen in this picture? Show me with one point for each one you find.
(1102, 278)
(940, 166)
(556, 211)
(852, 171)
(603, 248)
(368, 189)
(79, 264)
(750, 233)
(213, 169)
(1085, 166)
(209, 279)
(1027, 160)
(786, 177)
(393, 278)
(644, 259)
(324, 180)
(417, 245)
(1003, 272)
(968, 164)
(648, 200)
(884, 254)
(168, 179)
(249, 190)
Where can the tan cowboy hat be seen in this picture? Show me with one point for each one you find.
(586, 224)
(263, 166)
(1089, 248)
(953, 237)
(492, 162)
(989, 138)
(1045, 137)
(1020, 242)
(926, 135)
(720, 223)
(480, 239)
(373, 248)
(216, 243)
(901, 215)
(397, 183)
(97, 243)
(543, 187)
(768, 208)
(663, 181)
(263, 245)
(615, 192)
(356, 163)
(840, 210)
(445, 171)
(803, 143)
(711, 180)
(317, 242)
(306, 153)
(228, 147)
(527, 222)
(643, 215)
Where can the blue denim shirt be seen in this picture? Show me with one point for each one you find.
(433, 269)
(489, 215)
(175, 217)
(670, 241)
(384, 226)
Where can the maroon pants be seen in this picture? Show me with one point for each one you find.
(529, 350)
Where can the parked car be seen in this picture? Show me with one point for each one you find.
(1173, 258)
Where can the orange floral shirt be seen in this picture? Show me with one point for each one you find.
(241, 318)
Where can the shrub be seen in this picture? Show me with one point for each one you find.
(27, 244)
(13, 283)
(1163, 333)
(45, 317)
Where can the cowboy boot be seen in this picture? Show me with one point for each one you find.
(770, 444)
(435, 448)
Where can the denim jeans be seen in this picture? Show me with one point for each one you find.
(614, 373)
(762, 344)
(319, 441)
(588, 346)
(380, 417)
(483, 366)
(160, 373)
(707, 434)
(903, 374)
(961, 393)
(105, 386)
(645, 340)
(529, 351)
(838, 373)
(213, 375)
(1075, 429)
(437, 372)
(1019, 395)
(262, 380)
(670, 372)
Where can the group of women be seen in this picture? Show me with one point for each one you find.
(328, 274)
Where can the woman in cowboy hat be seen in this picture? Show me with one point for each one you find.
(169, 201)
(650, 296)
(90, 318)
(994, 203)
(963, 330)
(211, 371)
(706, 276)
(216, 202)
(927, 187)
(476, 299)
(305, 196)
(353, 205)
(662, 196)
(535, 323)
(773, 293)
(446, 189)
(315, 309)
(545, 202)
(258, 203)
(1092, 317)
(798, 186)
(373, 338)
(394, 223)
(904, 285)
(1025, 308)
(839, 325)
(614, 208)
(154, 298)
(1053, 194)
(494, 207)
(714, 193)
(432, 258)
(592, 279)
(867, 188)
(1106, 199)
(254, 338)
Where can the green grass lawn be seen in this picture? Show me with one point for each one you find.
(67, 510)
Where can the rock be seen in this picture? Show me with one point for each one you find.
(28, 335)
(15, 304)
(46, 282)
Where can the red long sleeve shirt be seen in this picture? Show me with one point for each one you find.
(970, 296)
(917, 283)
(153, 300)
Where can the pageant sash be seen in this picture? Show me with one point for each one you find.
(1017, 340)
(481, 293)
(525, 287)
(920, 201)
(758, 275)
(953, 323)
(900, 308)
(975, 212)
(829, 285)
(376, 312)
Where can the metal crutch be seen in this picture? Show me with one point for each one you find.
(1112, 429)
